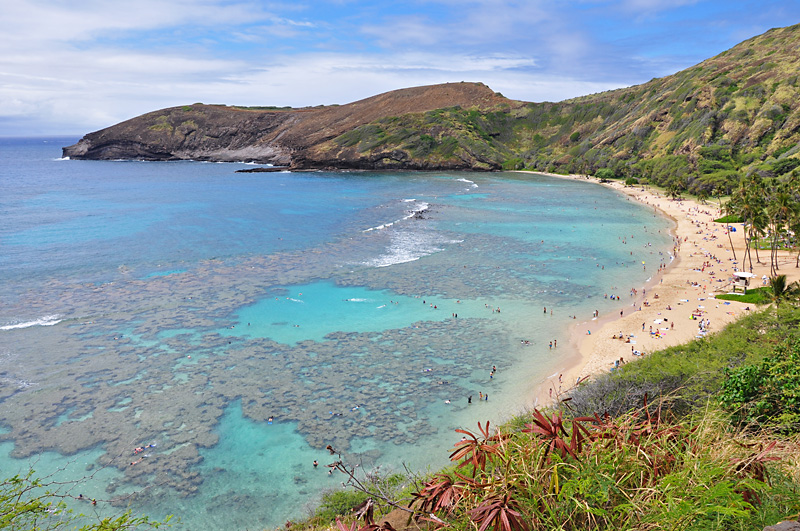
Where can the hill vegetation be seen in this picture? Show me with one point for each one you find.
(699, 129)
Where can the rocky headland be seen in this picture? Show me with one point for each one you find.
(697, 130)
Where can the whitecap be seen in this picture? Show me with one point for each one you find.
(48, 320)
(409, 246)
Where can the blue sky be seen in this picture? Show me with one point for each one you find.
(71, 67)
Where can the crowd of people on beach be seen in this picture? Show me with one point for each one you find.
(712, 274)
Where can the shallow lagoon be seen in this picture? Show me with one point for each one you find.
(130, 286)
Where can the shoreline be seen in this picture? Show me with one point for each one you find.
(675, 300)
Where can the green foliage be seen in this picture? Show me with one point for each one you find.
(631, 181)
(634, 471)
(767, 394)
(669, 130)
(514, 164)
(753, 296)
(424, 145)
(162, 124)
(338, 503)
(365, 137)
(783, 166)
(730, 218)
(605, 173)
(687, 374)
(27, 503)
(661, 170)
(779, 289)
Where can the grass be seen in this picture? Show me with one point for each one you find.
(754, 296)
(691, 373)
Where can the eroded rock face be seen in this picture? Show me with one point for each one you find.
(279, 137)
(784, 526)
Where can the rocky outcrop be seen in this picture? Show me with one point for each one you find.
(698, 129)
(789, 525)
(284, 137)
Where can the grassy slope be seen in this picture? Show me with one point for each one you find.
(737, 111)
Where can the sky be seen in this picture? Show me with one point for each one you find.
(71, 67)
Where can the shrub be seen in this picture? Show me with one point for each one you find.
(605, 173)
(767, 394)
(339, 502)
(638, 471)
(28, 503)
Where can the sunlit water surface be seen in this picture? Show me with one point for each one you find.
(182, 305)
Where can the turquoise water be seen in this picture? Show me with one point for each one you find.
(312, 311)
(184, 305)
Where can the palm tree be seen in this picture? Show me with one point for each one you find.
(729, 209)
(750, 203)
(782, 208)
(779, 290)
(674, 190)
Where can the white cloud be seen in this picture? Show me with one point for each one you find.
(653, 6)
(53, 20)
(114, 85)
(78, 66)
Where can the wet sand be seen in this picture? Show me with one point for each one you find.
(669, 310)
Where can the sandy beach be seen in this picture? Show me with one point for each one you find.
(678, 304)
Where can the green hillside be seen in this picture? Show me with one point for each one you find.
(699, 129)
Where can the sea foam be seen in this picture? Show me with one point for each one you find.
(418, 209)
(48, 320)
(409, 246)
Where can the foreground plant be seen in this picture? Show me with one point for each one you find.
(637, 471)
(28, 503)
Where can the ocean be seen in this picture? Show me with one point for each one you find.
(178, 338)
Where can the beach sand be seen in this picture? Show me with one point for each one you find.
(677, 298)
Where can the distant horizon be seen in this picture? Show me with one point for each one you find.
(85, 67)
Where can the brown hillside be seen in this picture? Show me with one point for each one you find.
(332, 121)
(214, 132)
